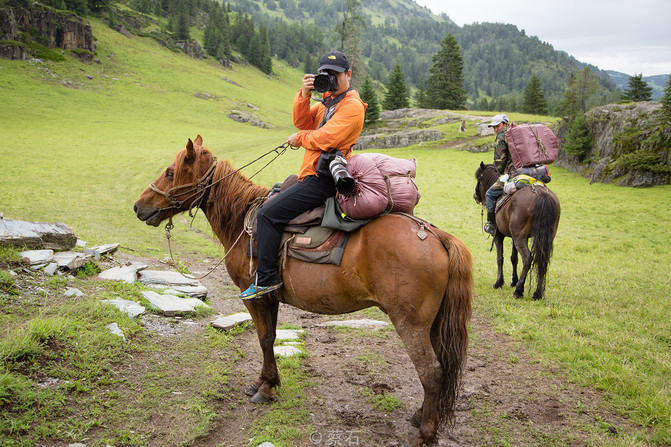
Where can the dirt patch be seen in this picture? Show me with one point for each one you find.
(507, 398)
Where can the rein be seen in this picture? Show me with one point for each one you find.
(198, 190)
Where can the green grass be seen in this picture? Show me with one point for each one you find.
(80, 151)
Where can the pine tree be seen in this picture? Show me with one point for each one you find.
(638, 89)
(578, 139)
(420, 96)
(397, 90)
(534, 99)
(350, 31)
(445, 84)
(665, 112)
(369, 96)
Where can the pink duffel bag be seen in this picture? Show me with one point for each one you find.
(383, 183)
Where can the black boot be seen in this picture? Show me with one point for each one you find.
(490, 227)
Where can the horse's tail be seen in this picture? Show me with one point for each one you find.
(546, 213)
(450, 328)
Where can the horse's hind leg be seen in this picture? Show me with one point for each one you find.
(513, 261)
(498, 241)
(523, 249)
(417, 340)
(264, 313)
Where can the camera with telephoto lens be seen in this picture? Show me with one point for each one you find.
(334, 164)
(343, 180)
(325, 82)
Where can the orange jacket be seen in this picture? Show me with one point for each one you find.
(339, 132)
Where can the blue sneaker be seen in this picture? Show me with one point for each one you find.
(254, 291)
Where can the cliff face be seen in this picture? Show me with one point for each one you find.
(601, 162)
(19, 27)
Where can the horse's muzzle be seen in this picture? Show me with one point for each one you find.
(150, 216)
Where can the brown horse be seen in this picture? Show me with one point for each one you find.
(532, 212)
(424, 284)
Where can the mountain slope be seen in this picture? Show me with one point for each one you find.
(657, 82)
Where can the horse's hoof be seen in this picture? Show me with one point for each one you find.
(251, 390)
(498, 285)
(537, 296)
(260, 398)
(518, 296)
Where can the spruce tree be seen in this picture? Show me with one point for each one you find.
(534, 99)
(578, 139)
(369, 96)
(638, 89)
(665, 112)
(420, 96)
(445, 84)
(397, 90)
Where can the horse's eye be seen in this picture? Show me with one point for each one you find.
(169, 173)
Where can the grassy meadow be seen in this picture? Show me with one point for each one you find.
(80, 142)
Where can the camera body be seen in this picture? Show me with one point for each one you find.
(325, 82)
(334, 164)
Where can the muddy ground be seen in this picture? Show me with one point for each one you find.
(507, 398)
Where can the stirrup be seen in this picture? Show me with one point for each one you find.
(490, 228)
(254, 291)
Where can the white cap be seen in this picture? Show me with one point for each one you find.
(498, 119)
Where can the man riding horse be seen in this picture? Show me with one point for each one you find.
(504, 165)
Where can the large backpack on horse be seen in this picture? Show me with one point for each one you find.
(531, 144)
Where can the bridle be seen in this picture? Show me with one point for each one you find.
(197, 191)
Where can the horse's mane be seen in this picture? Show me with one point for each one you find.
(232, 198)
(489, 176)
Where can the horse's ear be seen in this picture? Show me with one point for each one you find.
(190, 153)
(199, 141)
(482, 165)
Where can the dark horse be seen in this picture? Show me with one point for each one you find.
(424, 284)
(532, 212)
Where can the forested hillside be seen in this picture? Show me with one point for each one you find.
(498, 59)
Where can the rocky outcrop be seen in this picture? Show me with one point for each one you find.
(600, 163)
(19, 27)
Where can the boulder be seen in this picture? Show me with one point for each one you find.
(38, 235)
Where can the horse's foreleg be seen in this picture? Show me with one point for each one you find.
(264, 313)
(498, 241)
(523, 249)
(513, 261)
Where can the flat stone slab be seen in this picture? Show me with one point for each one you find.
(170, 304)
(192, 291)
(170, 279)
(54, 236)
(357, 324)
(286, 351)
(37, 257)
(131, 308)
(71, 260)
(100, 250)
(288, 334)
(126, 273)
(231, 320)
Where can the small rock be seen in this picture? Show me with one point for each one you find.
(71, 291)
(35, 257)
(286, 351)
(131, 308)
(116, 330)
(231, 320)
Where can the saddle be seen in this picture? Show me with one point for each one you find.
(304, 237)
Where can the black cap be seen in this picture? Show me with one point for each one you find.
(334, 60)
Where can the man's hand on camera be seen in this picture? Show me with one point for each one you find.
(308, 85)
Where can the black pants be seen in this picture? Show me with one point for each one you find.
(305, 195)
